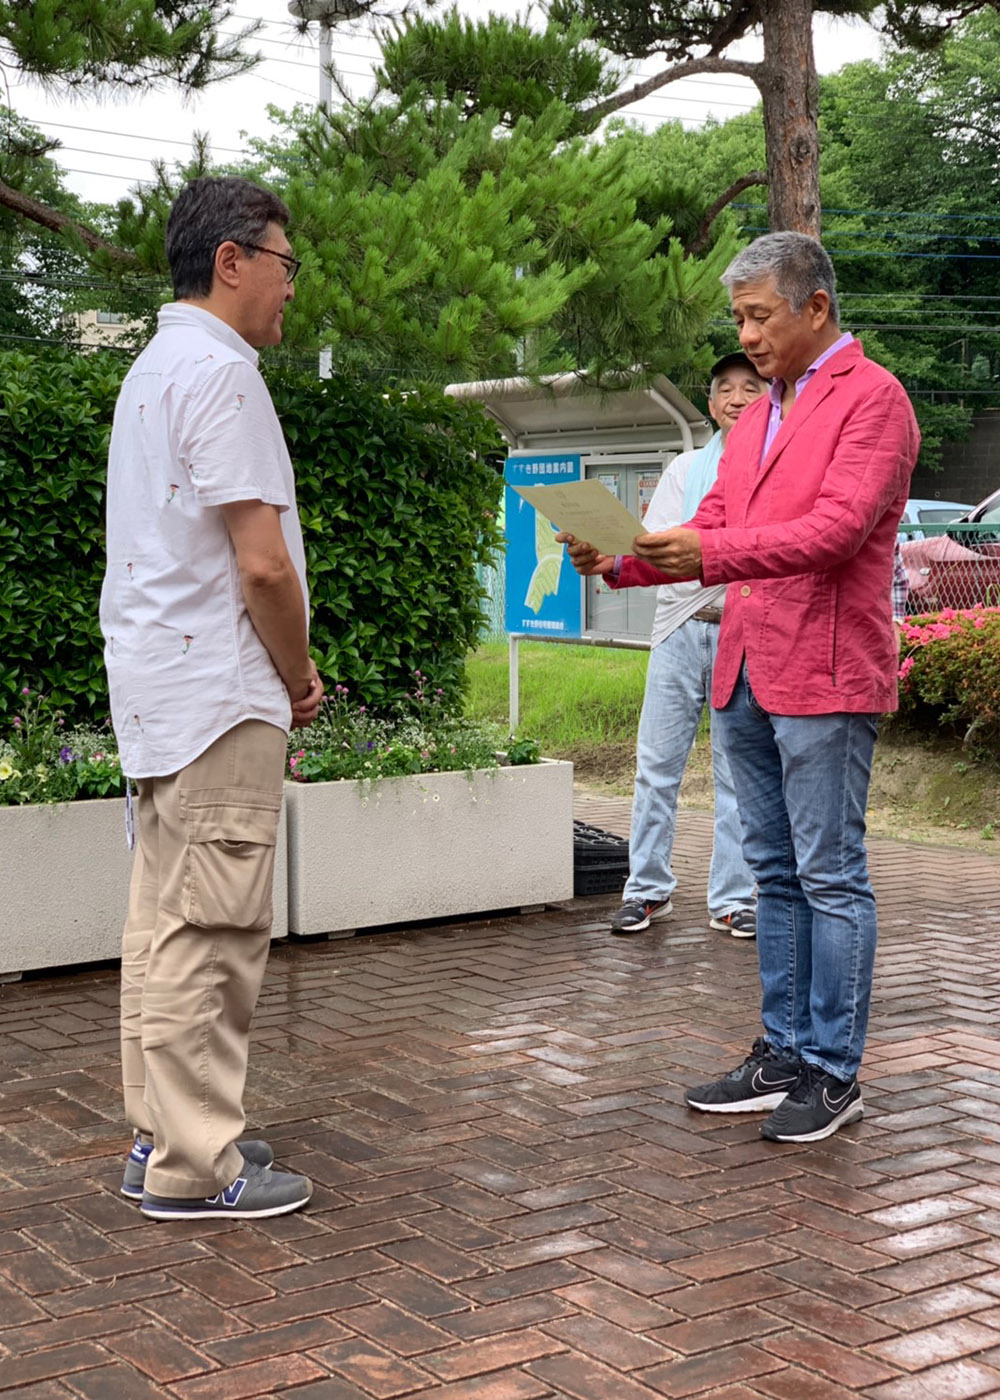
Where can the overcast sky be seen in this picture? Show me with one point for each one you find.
(108, 146)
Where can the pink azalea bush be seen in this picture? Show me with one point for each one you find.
(949, 673)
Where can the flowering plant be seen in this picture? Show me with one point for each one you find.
(41, 760)
(348, 741)
(950, 672)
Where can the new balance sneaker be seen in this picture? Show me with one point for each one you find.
(256, 1193)
(760, 1082)
(817, 1106)
(637, 914)
(741, 923)
(134, 1179)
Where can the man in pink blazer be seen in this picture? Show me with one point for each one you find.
(801, 524)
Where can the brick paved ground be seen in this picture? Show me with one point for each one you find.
(511, 1202)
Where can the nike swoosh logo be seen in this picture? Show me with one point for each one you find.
(762, 1085)
(834, 1104)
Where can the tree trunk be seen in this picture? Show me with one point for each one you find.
(790, 93)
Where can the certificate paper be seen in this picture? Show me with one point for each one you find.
(588, 510)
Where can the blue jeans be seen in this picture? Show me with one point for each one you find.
(803, 785)
(678, 686)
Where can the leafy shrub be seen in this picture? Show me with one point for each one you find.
(350, 741)
(397, 493)
(950, 674)
(41, 760)
(55, 422)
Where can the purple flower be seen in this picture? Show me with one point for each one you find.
(66, 755)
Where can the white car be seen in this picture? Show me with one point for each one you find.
(919, 512)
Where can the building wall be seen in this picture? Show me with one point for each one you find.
(969, 470)
(90, 332)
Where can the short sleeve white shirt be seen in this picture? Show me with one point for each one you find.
(676, 603)
(194, 429)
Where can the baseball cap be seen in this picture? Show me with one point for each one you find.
(735, 357)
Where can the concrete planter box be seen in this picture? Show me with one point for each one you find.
(438, 845)
(64, 877)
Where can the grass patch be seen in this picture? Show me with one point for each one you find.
(570, 697)
(583, 703)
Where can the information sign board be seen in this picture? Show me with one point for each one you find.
(543, 592)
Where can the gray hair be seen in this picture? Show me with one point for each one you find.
(799, 264)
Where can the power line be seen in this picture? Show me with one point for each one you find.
(930, 215)
(110, 155)
(897, 253)
(124, 135)
(913, 235)
(734, 84)
(107, 175)
(888, 326)
(919, 296)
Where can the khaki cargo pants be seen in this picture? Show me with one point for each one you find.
(193, 954)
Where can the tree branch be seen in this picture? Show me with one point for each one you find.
(56, 222)
(688, 69)
(700, 239)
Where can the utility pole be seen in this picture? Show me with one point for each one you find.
(326, 13)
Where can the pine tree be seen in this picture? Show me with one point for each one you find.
(97, 46)
(34, 263)
(694, 37)
(446, 246)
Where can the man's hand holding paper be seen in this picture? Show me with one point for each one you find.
(596, 527)
(586, 560)
(675, 552)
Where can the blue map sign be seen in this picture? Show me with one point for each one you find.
(543, 591)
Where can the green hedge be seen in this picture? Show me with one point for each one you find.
(397, 492)
(55, 422)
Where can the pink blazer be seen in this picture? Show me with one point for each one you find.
(805, 541)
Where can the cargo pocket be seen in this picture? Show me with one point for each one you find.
(229, 862)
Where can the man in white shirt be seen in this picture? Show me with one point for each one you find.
(678, 685)
(204, 615)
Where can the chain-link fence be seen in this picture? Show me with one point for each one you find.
(492, 581)
(951, 565)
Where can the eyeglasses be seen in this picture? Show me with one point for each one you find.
(292, 265)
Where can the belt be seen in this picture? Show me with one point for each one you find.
(708, 615)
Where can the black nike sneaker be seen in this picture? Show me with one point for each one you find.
(817, 1106)
(759, 1083)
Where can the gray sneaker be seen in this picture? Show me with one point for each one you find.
(134, 1179)
(258, 1192)
(741, 923)
(637, 914)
